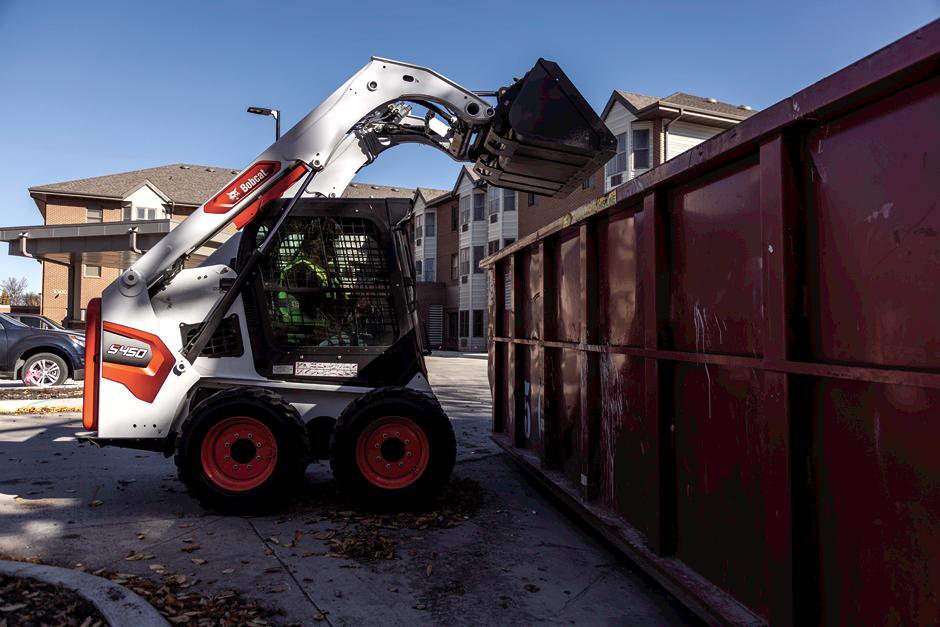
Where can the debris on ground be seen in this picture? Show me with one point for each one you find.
(37, 393)
(368, 535)
(175, 599)
(30, 602)
(172, 595)
(46, 409)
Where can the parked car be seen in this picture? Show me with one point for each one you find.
(38, 321)
(39, 357)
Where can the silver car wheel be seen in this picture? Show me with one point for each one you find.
(42, 373)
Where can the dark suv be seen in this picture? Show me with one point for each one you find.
(38, 356)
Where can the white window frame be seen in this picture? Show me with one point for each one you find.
(649, 146)
(430, 269)
(619, 160)
(430, 224)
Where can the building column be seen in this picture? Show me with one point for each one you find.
(75, 291)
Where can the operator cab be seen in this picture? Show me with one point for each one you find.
(333, 299)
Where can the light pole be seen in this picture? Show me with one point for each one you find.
(274, 113)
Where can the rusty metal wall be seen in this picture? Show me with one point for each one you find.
(731, 365)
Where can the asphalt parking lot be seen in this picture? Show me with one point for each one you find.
(496, 552)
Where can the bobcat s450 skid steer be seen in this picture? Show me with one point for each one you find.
(298, 338)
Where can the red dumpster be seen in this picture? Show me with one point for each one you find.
(730, 365)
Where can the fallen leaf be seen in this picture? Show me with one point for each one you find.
(96, 503)
(531, 588)
(429, 569)
(197, 561)
(157, 567)
(190, 548)
(228, 571)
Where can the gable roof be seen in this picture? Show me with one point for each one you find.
(468, 171)
(430, 194)
(639, 104)
(181, 183)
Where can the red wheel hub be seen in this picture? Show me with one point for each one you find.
(239, 453)
(392, 452)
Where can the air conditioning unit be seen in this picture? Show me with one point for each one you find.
(464, 227)
(494, 217)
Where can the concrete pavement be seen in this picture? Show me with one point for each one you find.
(518, 560)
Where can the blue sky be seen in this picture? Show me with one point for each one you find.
(91, 88)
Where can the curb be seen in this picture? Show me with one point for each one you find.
(20, 406)
(117, 604)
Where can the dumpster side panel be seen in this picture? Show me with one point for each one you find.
(531, 293)
(877, 478)
(716, 264)
(629, 448)
(877, 222)
(568, 287)
(619, 290)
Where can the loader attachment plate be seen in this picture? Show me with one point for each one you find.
(545, 138)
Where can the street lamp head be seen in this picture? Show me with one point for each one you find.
(260, 110)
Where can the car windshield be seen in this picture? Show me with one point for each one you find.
(12, 321)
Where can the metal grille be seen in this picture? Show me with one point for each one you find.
(225, 342)
(326, 284)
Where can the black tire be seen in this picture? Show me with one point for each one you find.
(256, 495)
(37, 361)
(367, 413)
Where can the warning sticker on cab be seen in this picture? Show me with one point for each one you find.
(325, 369)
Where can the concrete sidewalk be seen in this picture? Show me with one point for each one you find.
(518, 560)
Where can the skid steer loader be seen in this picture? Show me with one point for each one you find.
(298, 338)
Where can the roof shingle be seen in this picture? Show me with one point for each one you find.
(187, 184)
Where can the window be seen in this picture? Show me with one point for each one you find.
(419, 228)
(325, 283)
(464, 323)
(588, 183)
(92, 272)
(453, 267)
(492, 200)
(464, 210)
(478, 255)
(133, 212)
(508, 241)
(531, 199)
(430, 270)
(477, 323)
(479, 204)
(509, 200)
(492, 247)
(464, 261)
(453, 218)
(93, 213)
(418, 269)
(618, 165)
(452, 324)
(430, 224)
(507, 290)
(641, 149)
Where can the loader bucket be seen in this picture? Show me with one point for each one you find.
(544, 138)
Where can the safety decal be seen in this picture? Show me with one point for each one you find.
(256, 175)
(325, 369)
